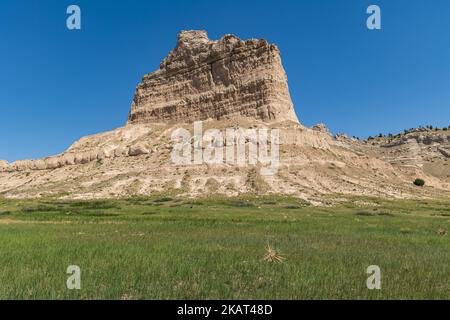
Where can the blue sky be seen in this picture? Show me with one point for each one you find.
(58, 85)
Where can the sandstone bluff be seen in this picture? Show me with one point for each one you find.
(202, 79)
(229, 83)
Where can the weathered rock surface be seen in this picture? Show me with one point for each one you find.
(427, 150)
(445, 151)
(138, 149)
(321, 128)
(202, 79)
(4, 165)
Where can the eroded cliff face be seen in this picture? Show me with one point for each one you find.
(203, 79)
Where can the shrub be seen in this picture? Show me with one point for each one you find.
(419, 182)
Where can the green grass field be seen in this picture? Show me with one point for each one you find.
(163, 248)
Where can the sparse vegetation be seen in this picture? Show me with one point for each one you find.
(212, 185)
(255, 182)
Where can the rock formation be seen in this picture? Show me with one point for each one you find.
(229, 83)
(202, 79)
(4, 165)
(420, 148)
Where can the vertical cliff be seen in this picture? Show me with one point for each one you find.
(202, 79)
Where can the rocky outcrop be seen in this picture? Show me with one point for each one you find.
(202, 79)
(321, 128)
(445, 152)
(4, 166)
(138, 149)
(239, 85)
(69, 158)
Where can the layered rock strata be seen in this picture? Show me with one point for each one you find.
(203, 79)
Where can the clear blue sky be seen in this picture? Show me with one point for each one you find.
(58, 85)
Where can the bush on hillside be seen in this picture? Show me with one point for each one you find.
(419, 182)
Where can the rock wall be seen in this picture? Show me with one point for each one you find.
(68, 158)
(202, 79)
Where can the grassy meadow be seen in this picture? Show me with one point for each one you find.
(169, 248)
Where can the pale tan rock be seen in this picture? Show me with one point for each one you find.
(38, 165)
(79, 158)
(121, 152)
(106, 152)
(53, 163)
(4, 166)
(93, 155)
(312, 164)
(83, 157)
(342, 137)
(21, 165)
(445, 152)
(68, 159)
(202, 79)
